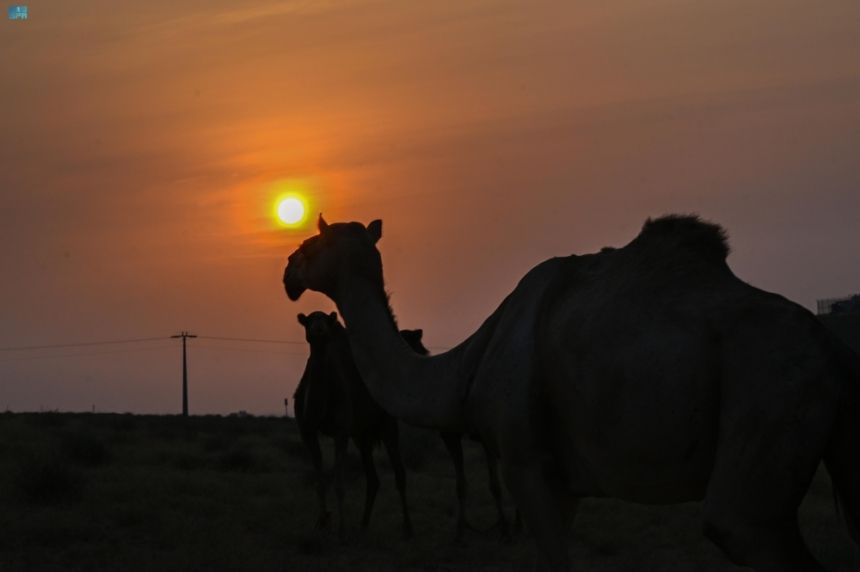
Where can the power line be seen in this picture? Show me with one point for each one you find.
(79, 344)
(292, 342)
(279, 352)
(82, 354)
(162, 338)
(253, 340)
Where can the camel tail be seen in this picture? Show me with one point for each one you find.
(843, 454)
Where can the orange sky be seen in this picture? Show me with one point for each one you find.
(139, 142)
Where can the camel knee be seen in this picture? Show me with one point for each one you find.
(495, 486)
(723, 533)
(739, 540)
(773, 546)
(536, 491)
(400, 478)
(372, 483)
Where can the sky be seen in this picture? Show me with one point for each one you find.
(142, 145)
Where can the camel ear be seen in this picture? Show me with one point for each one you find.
(419, 333)
(322, 225)
(333, 316)
(375, 230)
(303, 320)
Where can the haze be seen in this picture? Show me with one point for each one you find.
(140, 143)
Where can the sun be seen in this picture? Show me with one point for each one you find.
(291, 210)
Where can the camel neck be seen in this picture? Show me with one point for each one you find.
(422, 390)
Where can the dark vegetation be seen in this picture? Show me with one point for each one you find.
(121, 492)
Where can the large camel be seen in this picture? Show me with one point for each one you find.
(649, 373)
(331, 400)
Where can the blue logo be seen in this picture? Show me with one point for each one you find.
(18, 12)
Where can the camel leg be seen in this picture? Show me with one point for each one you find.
(312, 444)
(340, 446)
(496, 491)
(518, 521)
(843, 455)
(454, 444)
(767, 453)
(750, 512)
(391, 440)
(545, 510)
(371, 479)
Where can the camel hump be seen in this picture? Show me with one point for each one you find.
(689, 231)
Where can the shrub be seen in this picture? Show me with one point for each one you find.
(239, 459)
(85, 449)
(47, 480)
(187, 461)
(48, 419)
(214, 443)
(294, 448)
(124, 423)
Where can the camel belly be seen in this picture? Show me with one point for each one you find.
(665, 461)
(641, 426)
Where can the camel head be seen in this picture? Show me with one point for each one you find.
(324, 262)
(319, 326)
(413, 338)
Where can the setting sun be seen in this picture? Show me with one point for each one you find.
(291, 211)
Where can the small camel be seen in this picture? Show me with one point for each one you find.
(332, 400)
(454, 444)
(649, 373)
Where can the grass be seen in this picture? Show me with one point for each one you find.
(120, 492)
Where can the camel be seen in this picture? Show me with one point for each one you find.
(649, 373)
(332, 400)
(454, 444)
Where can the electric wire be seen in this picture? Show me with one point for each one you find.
(37, 347)
(81, 344)
(84, 354)
(251, 340)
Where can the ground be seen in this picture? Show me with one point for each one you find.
(122, 492)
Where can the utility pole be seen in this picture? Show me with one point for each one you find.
(184, 335)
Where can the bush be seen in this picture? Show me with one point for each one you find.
(214, 443)
(187, 461)
(42, 480)
(85, 449)
(294, 448)
(48, 419)
(239, 459)
(124, 423)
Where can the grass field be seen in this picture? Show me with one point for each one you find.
(127, 493)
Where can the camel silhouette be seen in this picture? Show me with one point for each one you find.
(331, 400)
(649, 373)
(454, 444)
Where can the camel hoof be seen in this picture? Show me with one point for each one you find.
(323, 521)
(468, 526)
(505, 536)
(460, 536)
(311, 545)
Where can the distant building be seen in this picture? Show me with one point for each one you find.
(18, 12)
(842, 316)
(843, 305)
